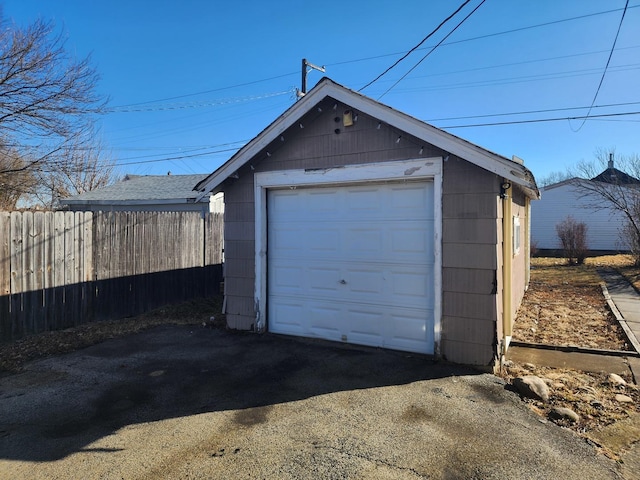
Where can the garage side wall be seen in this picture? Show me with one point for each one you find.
(470, 262)
(519, 264)
(319, 140)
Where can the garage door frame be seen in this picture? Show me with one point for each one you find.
(424, 168)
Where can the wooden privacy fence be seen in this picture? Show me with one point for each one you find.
(61, 269)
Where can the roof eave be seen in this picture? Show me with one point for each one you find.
(490, 161)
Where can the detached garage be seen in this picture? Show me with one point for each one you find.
(349, 221)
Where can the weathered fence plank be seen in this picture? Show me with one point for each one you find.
(5, 275)
(60, 269)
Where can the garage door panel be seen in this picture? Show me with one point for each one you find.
(321, 241)
(287, 279)
(364, 241)
(408, 331)
(287, 317)
(412, 197)
(361, 264)
(324, 280)
(363, 201)
(412, 239)
(324, 320)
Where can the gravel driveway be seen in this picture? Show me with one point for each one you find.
(188, 403)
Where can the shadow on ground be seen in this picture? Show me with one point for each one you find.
(60, 405)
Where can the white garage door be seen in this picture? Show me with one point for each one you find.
(353, 264)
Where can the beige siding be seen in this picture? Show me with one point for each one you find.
(314, 146)
(239, 254)
(471, 249)
(469, 263)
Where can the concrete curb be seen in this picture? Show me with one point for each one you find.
(576, 349)
(627, 331)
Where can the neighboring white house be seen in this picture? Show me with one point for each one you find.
(562, 199)
(172, 193)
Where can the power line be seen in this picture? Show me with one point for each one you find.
(182, 106)
(180, 157)
(488, 35)
(207, 91)
(432, 50)
(613, 47)
(529, 112)
(416, 46)
(521, 79)
(541, 120)
(364, 59)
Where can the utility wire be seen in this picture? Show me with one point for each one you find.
(416, 47)
(364, 59)
(529, 112)
(613, 47)
(432, 50)
(470, 39)
(180, 157)
(182, 106)
(541, 120)
(207, 91)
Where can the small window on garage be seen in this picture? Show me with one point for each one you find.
(516, 235)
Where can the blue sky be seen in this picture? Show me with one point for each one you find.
(190, 82)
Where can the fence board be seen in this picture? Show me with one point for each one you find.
(60, 269)
(5, 275)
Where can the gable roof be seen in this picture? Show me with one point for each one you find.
(502, 166)
(617, 177)
(140, 189)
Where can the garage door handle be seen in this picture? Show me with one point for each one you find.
(343, 282)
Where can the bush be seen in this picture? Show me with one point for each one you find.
(573, 240)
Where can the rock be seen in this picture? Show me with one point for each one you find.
(597, 404)
(562, 413)
(529, 366)
(616, 380)
(532, 387)
(623, 398)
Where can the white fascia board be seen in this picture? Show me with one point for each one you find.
(254, 147)
(483, 158)
(467, 151)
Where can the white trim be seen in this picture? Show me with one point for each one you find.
(429, 168)
(490, 161)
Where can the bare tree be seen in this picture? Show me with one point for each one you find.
(15, 181)
(553, 177)
(48, 101)
(80, 167)
(613, 183)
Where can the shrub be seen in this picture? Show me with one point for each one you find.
(573, 240)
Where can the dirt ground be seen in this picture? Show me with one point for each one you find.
(565, 306)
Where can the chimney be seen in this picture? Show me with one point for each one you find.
(610, 161)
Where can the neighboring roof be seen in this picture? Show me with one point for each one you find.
(507, 168)
(142, 189)
(617, 177)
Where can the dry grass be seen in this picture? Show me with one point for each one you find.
(565, 306)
